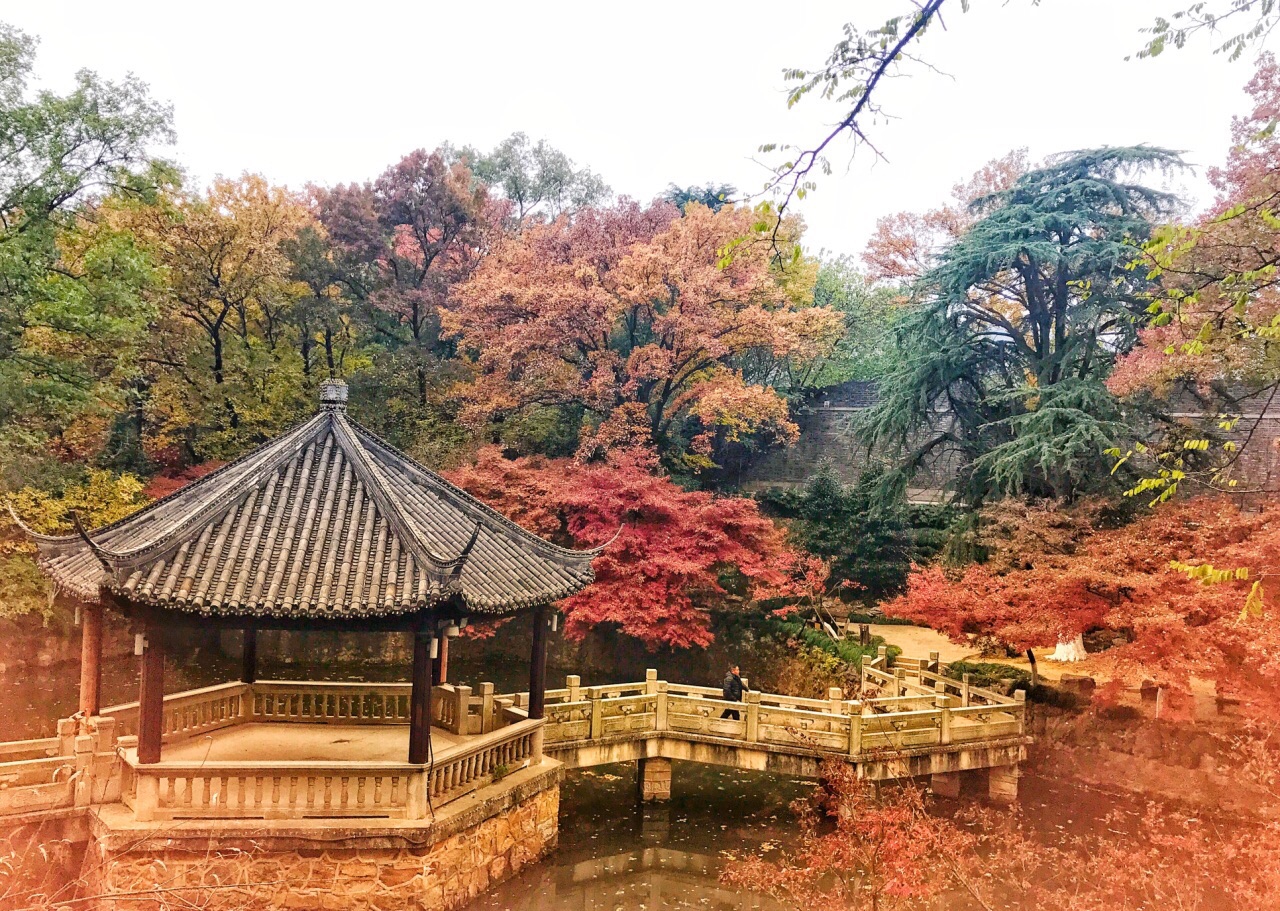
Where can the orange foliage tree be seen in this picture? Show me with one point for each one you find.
(680, 553)
(639, 318)
(1129, 579)
(906, 244)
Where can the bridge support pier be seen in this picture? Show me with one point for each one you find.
(1002, 784)
(653, 779)
(945, 784)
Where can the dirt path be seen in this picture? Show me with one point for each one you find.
(919, 641)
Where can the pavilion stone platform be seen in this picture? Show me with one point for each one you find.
(268, 794)
(353, 864)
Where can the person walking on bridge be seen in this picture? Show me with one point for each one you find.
(732, 692)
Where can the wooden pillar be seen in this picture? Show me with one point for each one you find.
(90, 659)
(440, 670)
(538, 663)
(249, 655)
(151, 695)
(420, 700)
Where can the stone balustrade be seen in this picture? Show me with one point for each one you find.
(295, 789)
(190, 713)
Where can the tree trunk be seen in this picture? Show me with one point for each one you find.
(1069, 649)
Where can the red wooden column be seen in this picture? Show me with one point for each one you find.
(538, 663)
(440, 670)
(420, 699)
(151, 697)
(249, 655)
(90, 659)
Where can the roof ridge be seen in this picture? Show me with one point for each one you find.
(377, 486)
(486, 511)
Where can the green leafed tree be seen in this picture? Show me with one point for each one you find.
(1004, 351)
(713, 195)
(865, 537)
(537, 179)
(867, 350)
(70, 314)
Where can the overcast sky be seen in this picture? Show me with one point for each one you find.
(645, 94)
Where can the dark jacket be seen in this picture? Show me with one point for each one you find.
(732, 687)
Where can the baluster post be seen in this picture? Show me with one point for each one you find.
(964, 690)
(535, 745)
(835, 699)
(146, 796)
(597, 711)
(486, 708)
(1020, 701)
(573, 683)
(855, 729)
(753, 716)
(461, 705)
(943, 703)
(650, 682)
(660, 711)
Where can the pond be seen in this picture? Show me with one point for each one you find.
(615, 854)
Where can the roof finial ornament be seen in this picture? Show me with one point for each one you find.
(333, 395)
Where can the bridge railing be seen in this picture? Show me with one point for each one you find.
(926, 708)
(53, 773)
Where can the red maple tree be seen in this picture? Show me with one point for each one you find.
(679, 554)
(1180, 625)
(891, 849)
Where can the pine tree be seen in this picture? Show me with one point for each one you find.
(1017, 325)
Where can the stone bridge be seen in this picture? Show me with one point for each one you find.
(910, 720)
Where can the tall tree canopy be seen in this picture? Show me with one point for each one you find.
(222, 366)
(1218, 299)
(638, 320)
(537, 180)
(1018, 323)
(70, 311)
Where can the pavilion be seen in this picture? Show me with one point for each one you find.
(326, 527)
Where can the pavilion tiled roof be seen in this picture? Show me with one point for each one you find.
(324, 522)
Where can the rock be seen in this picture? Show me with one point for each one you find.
(1080, 684)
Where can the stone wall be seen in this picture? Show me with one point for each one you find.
(31, 643)
(827, 436)
(331, 865)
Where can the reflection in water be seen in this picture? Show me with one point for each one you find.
(669, 855)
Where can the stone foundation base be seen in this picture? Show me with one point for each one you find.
(654, 779)
(330, 865)
(945, 784)
(1002, 784)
